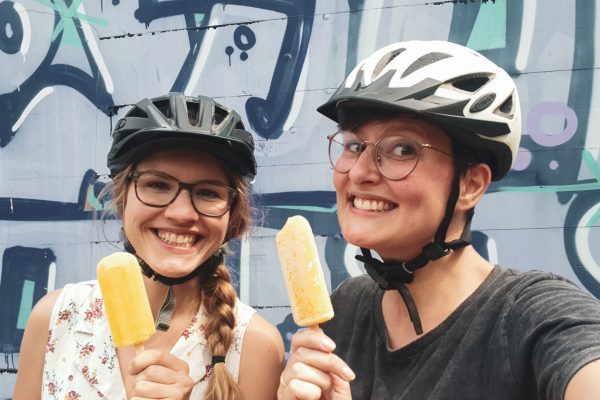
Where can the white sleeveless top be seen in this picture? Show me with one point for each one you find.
(81, 360)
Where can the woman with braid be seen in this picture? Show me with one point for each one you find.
(181, 168)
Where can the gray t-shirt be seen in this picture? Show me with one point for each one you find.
(518, 336)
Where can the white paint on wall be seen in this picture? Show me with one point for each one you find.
(26, 24)
(583, 245)
(34, 102)
(205, 50)
(527, 26)
(245, 270)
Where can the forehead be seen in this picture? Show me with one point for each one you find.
(184, 164)
(405, 125)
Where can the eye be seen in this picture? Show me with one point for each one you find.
(156, 184)
(353, 146)
(399, 149)
(210, 193)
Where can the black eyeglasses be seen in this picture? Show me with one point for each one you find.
(157, 189)
(396, 157)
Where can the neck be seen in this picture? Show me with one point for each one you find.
(187, 294)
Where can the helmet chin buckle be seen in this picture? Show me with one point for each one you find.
(434, 251)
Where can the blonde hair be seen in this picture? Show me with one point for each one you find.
(218, 293)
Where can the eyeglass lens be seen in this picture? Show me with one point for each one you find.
(396, 156)
(159, 190)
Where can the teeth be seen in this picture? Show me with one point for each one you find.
(175, 239)
(372, 205)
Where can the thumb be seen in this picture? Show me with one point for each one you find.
(340, 389)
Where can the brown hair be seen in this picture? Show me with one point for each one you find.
(218, 293)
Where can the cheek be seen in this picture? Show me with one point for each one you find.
(339, 180)
(219, 227)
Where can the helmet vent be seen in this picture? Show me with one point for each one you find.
(220, 115)
(137, 112)
(163, 107)
(385, 60)
(471, 83)
(424, 61)
(193, 109)
(507, 106)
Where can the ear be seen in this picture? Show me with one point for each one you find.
(473, 185)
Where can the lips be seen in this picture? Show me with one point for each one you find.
(372, 204)
(183, 240)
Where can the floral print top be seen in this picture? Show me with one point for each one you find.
(81, 360)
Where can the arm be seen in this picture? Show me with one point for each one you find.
(585, 384)
(313, 371)
(33, 349)
(261, 360)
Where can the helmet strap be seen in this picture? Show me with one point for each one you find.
(395, 274)
(209, 265)
(166, 310)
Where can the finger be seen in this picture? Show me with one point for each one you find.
(340, 388)
(302, 390)
(312, 339)
(144, 388)
(329, 363)
(155, 357)
(306, 373)
(159, 374)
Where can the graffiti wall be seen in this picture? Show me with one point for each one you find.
(69, 68)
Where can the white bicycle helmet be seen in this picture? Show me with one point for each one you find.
(468, 96)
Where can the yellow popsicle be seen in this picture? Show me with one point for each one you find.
(125, 300)
(302, 273)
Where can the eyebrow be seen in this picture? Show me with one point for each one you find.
(209, 181)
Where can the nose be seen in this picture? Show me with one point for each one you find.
(182, 209)
(365, 168)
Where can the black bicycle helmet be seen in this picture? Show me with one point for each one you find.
(469, 97)
(179, 120)
(456, 88)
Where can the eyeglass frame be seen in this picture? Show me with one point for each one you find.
(134, 176)
(376, 156)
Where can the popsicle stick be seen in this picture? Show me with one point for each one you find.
(315, 328)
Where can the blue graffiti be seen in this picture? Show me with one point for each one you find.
(244, 39)
(266, 116)
(16, 104)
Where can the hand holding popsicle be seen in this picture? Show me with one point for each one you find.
(312, 371)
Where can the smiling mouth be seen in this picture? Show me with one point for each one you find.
(184, 241)
(372, 205)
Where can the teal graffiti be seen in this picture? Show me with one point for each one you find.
(26, 303)
(589, 160)
(489, 30)
(92, 200)
(66, 25)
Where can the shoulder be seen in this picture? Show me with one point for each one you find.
(42, 311)
(540, 286)
(353, 304)
(33, 347)
(262, 333)
(353, 294)
(262, 359)
(261, 338)
(357, 285)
